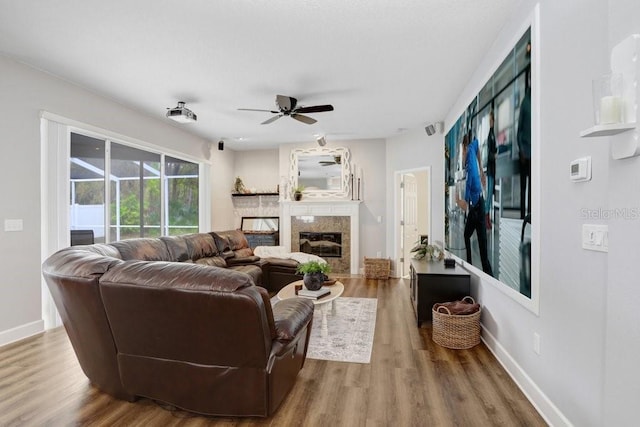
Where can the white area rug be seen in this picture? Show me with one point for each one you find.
(351, 331)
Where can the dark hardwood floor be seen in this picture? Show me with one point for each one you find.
(411, 381)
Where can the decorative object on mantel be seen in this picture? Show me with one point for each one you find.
(355, 182)
(314, 274)
(238, 186)
(615, 101)
(431, 252)
(297, 193)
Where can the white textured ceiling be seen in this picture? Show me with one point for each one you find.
(385, 66)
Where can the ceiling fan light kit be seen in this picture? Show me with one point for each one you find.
(181, 114)
(288, 106)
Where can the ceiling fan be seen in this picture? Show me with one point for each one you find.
(337, 160)
(288, 106)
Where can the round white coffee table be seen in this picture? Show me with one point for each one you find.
(336, 289)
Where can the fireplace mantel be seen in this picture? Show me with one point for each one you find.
(350, 208)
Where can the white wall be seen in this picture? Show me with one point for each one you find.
(25, 92)
(222, 178)
(259, 169)
(622, 338)
(414, 150)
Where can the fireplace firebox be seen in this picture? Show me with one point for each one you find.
(322, 244)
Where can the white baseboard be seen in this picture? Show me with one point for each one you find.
(21, 332)
(538, 399)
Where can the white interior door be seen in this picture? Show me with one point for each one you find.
(410, 218)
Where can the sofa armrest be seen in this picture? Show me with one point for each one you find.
(291, 316)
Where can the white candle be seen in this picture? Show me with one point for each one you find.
(610, 110)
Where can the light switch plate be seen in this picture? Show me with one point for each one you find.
(595, 237)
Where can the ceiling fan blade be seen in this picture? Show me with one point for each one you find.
(314, 109)
(304, 119)
(286, 103)
(271, 120)
(254, 109)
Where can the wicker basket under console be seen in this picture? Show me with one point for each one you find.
(456, 331)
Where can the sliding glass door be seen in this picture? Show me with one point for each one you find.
(181, 196)
(134, 193)
(150, 194)
(87, 189)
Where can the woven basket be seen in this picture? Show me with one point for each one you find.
(377, 268)
(456, 331)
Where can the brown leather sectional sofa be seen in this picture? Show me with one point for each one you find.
(180, 320)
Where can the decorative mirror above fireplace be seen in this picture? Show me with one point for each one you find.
(324, 172)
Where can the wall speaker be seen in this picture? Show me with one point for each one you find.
(434, 127)
(430, 130)
(220, 145)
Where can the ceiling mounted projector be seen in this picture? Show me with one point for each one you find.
(181, 114)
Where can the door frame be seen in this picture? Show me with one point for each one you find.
(397, 212)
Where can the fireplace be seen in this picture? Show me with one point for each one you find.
(324, 244)
(324, 216)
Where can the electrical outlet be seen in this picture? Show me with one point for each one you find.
(595, 237)
(13, 225)
(536, 343)
(378, 254)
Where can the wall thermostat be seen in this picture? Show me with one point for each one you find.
(580, 169)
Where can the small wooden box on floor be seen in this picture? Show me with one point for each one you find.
(431, 282)
(377, 268)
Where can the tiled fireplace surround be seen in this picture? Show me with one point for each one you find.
(324, 216)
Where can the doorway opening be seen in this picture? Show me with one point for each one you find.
(413, 213)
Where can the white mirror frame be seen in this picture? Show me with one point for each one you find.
(321, 151)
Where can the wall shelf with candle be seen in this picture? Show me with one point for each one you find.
(616, 112)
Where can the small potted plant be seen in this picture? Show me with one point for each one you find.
(423, 250)
(297, 192)
(314, 274)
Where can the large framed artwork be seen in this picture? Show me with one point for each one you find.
(489, 209)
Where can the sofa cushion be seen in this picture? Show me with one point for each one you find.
(234, 240)
(177, 247)
(145, 249)
(222, 242)
(173, 275)
(201, 245)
